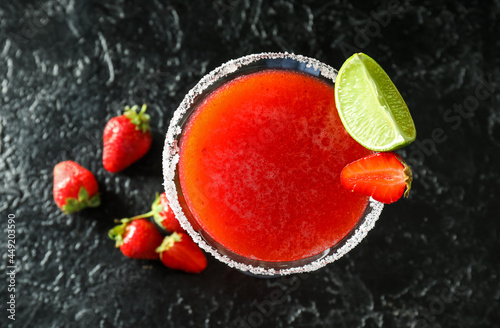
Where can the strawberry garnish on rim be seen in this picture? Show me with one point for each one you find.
(383, 176)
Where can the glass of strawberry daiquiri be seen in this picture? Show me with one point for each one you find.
(252, 164)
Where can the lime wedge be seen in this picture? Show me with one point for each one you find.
(370, 106)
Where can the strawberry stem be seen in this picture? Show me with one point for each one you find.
(77, 204)
(408, 180)
(156, 208)
(117, 233)
(169, 242)
(408, 177)
(141, 119)
(141, 216)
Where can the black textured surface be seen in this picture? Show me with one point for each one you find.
(67, 66)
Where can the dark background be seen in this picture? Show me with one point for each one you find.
(67, 66)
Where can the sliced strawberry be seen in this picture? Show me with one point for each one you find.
(137, 238)
(383, 176)
(75, 187)
(178, 251)
(164, 216)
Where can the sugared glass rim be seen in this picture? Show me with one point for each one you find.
(171, 159)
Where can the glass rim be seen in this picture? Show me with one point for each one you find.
(171, 159)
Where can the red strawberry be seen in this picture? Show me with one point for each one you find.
(164, 216)
(75, 187)
(178, 251)
(383, 176)
(137, 238)
(126, 138)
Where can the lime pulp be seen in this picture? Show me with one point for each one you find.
(371, 107)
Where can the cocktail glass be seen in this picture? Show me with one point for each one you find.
(174, 192)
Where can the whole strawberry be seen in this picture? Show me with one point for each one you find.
(126, 138)
(164, 216)
(178, 251)
(75, 187)
(137, 238)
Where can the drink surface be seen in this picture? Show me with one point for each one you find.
(260, 161)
